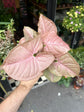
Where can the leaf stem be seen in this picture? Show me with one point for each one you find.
(3, 89)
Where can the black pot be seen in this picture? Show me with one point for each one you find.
(6, 86)
(75, 39)
(80, 77)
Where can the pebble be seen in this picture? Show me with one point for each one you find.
(59, 94)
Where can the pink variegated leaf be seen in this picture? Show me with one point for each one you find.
(44, 60)
(54, 44)
(25, 63)
(51, 77)
(45, 25)
(29, 33)
(66, 66)
(22, 40)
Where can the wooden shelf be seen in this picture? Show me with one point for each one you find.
(40, 6)
(63, 8)
(56, 9)
(43, 7)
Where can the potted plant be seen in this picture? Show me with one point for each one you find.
(6, 44)
(74, 21)
(78, 54)
(78, 81)
(65, 81)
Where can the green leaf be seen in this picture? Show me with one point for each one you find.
(4, 23)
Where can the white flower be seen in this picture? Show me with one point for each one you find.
(71, 22)
(76, 24)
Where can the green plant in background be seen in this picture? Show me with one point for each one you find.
(65, 81)
(4, 13)
(6, 42)
(8, 26)
(7, 13)
(78, 54)
(74, 20)
(62, 32)
(2, 35)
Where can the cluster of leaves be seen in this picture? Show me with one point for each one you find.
(78, 54)
(7, 13)
(61, 30)
(9, 26)
(5, 47)
(6, 43)
(45, 52)
(65, 81)
(74, 20)
(2, 34)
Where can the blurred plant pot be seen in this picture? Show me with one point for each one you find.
(79, 80)
(68, 5)
(71, 4)
(63, 5)
(59, 6)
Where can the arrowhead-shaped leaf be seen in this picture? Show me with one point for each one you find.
(23, 62)
(54, 44)
(50, 76)
(22, 40)
(29, 33)
(46, 25)
(65, 66)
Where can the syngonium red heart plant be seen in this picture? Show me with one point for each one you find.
(42, 51)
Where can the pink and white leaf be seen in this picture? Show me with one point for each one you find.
(51, 77)
(66, 66)
(22, 40)
(54, 44)
(29, 33)
(45, 25)
(22, 64)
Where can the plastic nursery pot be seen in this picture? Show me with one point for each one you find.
(68, 5)
(59, 6)
(63, 5)
(79, 81)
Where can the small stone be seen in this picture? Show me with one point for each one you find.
(59, 94)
